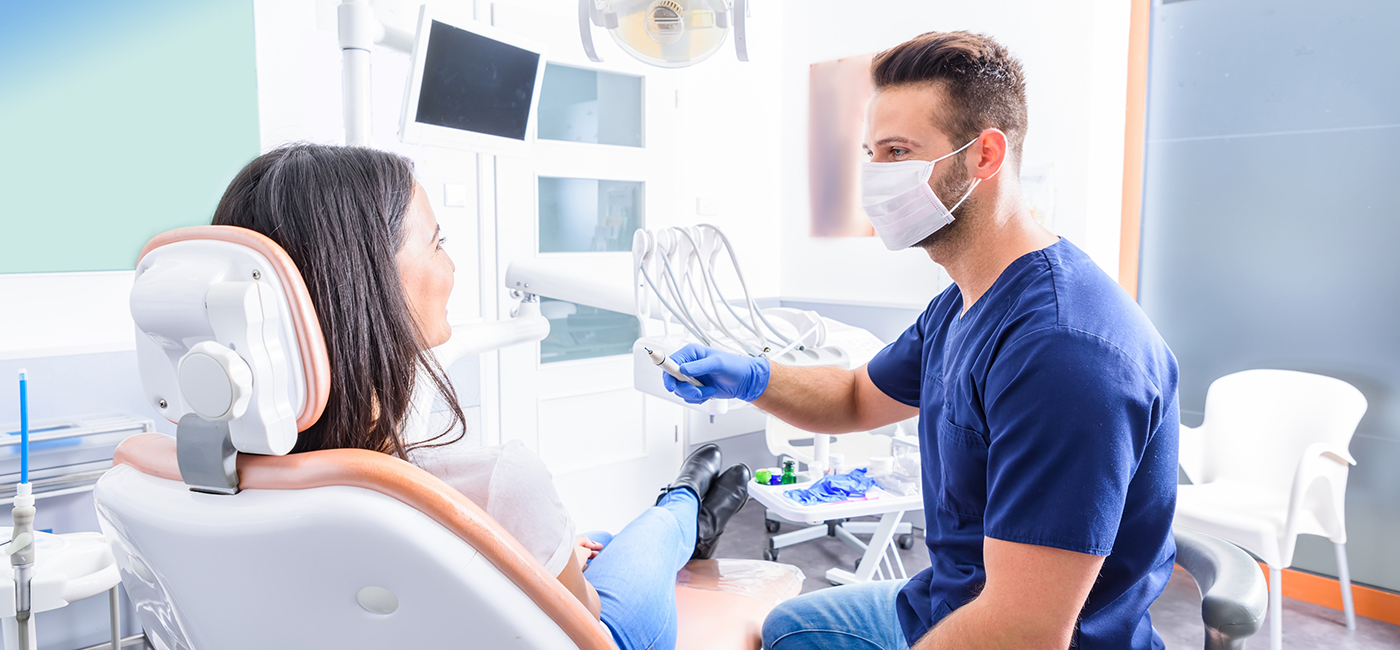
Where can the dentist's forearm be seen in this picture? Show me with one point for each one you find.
(818, 399)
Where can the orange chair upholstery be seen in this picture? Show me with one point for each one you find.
(721, 603)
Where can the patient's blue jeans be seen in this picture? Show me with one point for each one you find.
(635, 573)
(850, 617)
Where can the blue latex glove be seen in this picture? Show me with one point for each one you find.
(725, 375)
(834, 488)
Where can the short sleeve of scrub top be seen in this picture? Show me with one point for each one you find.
(897, 370)
(1062, 409)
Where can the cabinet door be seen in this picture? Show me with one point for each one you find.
(591, 181)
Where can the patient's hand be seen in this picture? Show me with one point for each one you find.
(586, 550)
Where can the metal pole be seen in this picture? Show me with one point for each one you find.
(356, 23)
(115, 603)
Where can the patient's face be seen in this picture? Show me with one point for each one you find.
(425, 270)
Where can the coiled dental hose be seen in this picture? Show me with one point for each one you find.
(756, 323)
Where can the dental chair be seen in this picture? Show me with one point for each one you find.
(223, 540)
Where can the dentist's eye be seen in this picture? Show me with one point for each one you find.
(897, 152)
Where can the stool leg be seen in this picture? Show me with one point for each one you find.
(1344, 577)
(114, 600)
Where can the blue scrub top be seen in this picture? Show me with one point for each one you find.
(1048, 416)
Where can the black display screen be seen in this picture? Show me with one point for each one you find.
(474, 83)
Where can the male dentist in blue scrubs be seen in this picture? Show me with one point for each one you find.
(1047, 402)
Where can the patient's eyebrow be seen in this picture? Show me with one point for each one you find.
(437, 230)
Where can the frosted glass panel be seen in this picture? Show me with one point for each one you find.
(582, 214)
(579, 105)
(582, 332)
(1258, 251)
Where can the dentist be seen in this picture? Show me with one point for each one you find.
(1047, 401)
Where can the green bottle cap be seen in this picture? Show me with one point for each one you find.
(761, 476)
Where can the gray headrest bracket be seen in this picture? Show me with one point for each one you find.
(208, 460)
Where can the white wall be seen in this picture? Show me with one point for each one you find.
(46, 314)
(1074, 53)
(299, 100)
(732, 118)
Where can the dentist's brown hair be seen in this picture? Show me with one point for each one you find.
(983, 84)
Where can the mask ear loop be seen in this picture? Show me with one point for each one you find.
(976, 181)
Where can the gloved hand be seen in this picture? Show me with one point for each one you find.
(725, 375)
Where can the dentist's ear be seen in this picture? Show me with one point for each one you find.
(988, 156)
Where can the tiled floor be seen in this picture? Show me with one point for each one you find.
(1176, 614)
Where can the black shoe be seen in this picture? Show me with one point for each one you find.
(697, 472)
(728, 493)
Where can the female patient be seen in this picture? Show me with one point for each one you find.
(359, 228)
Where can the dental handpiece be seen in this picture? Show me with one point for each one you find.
(671, 367)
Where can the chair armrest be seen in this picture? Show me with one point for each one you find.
(1191, 453)
(1327, 462)
(1328, 451)
(1234, 595)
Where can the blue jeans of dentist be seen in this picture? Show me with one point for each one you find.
(850, 617)
(635, 573)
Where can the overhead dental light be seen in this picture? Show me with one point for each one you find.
(665, 33)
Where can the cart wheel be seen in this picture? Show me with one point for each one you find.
(906, 542)
(770, 554)
(771, 526)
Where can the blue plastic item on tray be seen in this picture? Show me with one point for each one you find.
(834, 488)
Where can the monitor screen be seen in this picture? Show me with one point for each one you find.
(474, 83)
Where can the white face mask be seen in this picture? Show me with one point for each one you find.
(901, 205)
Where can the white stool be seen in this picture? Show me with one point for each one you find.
(67, 567)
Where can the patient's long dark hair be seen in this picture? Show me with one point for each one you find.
(339, 213)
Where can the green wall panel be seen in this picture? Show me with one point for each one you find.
(118, 120)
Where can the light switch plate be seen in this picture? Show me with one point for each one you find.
(454, 196)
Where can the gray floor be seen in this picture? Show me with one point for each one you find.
(1176, 614)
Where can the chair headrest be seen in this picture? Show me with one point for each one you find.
(226, 330)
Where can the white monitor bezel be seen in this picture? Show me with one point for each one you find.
(414, 132)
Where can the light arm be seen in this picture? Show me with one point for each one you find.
(1032, 599)
(526, 327)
